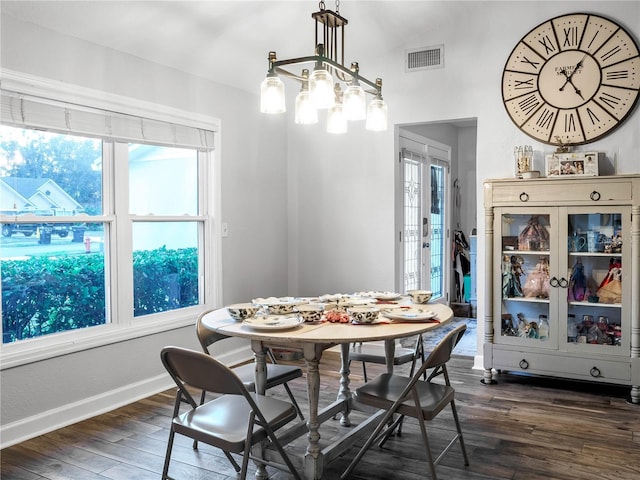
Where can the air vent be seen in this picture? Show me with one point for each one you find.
(424, 58)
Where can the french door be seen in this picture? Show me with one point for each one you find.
(424, 237)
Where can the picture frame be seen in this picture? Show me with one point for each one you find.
(580, 164)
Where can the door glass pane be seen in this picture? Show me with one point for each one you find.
(412, 224)
(595, 289)
(525, 278)
(437, 230)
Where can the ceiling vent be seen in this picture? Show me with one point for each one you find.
(424, 58)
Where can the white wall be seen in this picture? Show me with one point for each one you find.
(308, 213)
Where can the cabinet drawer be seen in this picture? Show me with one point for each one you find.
(558, 192)
(557, 365)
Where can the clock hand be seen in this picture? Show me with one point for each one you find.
(569, 75)
(568, 80)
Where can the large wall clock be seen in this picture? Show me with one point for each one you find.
(572, 79)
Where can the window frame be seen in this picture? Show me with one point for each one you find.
(122, 324)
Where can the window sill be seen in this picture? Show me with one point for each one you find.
(39, 349)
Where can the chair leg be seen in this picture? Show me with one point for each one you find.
(167, 456)
(364, 371)
(375, 435)
(427, 447)
(293, 401)
(245, 465)
(460, 438)
(236, 467)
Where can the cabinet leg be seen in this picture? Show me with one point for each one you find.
(488, 377)
(635, 395)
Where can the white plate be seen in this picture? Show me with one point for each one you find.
(410, 314)
(273, 322)
(386, 296)
(267, 302)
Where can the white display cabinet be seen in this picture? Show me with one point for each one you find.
(563, 279)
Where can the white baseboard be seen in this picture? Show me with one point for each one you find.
(50, 420)
(56, 418)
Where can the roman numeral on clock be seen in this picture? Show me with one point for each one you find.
(610, 53)
(569, 123)
(530, 62)
(545, 118)
(610, 100)
(529, 104)
(523, 84)
(570, 37)
(547, 43)
(617, 75)
(592, 116)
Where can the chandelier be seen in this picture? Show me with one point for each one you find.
(345, 99)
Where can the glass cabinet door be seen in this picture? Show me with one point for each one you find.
(526, 242)
(596, 292)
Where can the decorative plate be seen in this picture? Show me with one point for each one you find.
(410, 314)
(273, 322)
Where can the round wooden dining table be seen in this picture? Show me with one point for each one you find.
(313, 339)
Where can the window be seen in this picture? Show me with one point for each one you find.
(105, 227)
(49, 284)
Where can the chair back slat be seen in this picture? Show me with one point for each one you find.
(201, 371)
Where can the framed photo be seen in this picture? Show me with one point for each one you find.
(583, 164)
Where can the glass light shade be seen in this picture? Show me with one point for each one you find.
(321, 88)
(354, 103)
(336, 121)
(272, 95)
(376, 115)
(305, 113)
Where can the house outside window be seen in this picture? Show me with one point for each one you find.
(103, 234)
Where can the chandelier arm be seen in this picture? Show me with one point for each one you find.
(349, 73)
(290, 75)
(346, 72)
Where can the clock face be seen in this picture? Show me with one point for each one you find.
(572, 79)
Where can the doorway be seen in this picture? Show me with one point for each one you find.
(432, 158)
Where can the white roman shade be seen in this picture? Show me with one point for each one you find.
(28, 111)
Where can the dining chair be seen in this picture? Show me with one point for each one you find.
(369, 352)
(276, 374)
(413, 397)
(234, 421)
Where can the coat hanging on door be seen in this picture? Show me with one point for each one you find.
(461, 263)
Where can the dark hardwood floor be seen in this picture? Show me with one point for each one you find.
(521, 429)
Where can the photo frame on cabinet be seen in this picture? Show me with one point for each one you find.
(562, 165)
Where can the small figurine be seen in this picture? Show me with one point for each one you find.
(578, 282)
(532, 330)
(522, 325)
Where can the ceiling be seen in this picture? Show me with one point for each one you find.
(229, 41)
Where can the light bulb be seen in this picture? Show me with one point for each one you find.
(272, 95)
(376, 115)
(321, 88)
(305, 113)
(354, 103)
(336, 121)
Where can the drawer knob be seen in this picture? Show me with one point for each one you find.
(524, 197)
(524, 364)
(595, 196)
(595, 372)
